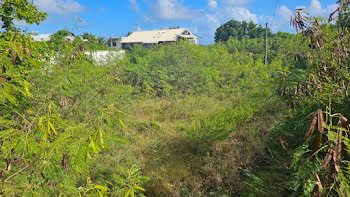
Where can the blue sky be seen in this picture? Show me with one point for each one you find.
(118, 17)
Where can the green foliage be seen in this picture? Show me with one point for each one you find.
(59, 42)
(185, 68)
(280, 46)
(19, 10)
(221, 125)
(50, 136)
(319, 172)
(93, 43)
(131, 180)
(34, 136)
(320, 164)
(195, 116)
(252, 94)
(239, 30)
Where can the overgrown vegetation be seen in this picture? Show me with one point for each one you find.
(176, 120)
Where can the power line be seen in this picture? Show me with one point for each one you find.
(274, 13)
(273, 18)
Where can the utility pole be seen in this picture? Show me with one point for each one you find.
(266, 45)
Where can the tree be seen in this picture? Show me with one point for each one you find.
(321, 163)
(102, 41)
(58, 40)
(239, 30)
(19, 10)
(89, 37)
(60, 35)
(35, 160)
(94, 43)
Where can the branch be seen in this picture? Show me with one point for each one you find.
(19, 171)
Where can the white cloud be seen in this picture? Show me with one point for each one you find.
(281, 22)
(134, 5)
(174, 10)
(205, 22)
(284, 13)
(237, 13)
(212, 4)
(317, 10)
(59, 6)
(236, 2)
(170, 10)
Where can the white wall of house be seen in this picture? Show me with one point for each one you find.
(115, 42)
(104, 56)
(193, 41)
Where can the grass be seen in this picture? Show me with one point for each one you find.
(155, 140)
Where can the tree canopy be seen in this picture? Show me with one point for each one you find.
(19, 10)
(239, 30)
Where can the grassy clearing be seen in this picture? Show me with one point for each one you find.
(157, 142)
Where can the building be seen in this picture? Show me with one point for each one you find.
(40, 37)
(154, 37)
(46, 37)
(115, 42)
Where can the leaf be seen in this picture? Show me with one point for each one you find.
(121, 123)
(327, 158)
(48, 127)
(127, 193)
(93, 146)
(102, 188)
(339, 148)
(40, 121)
(27, 51)
(49, 108)
(139, 188)
(10, 98)
(320, 121)
(339, 128)
(52, 128)
(27, 85)
(12, 38)
(312, 126)
(13, 57)
(19, 51)
(99, 193)
(320, 130)
(89, 156)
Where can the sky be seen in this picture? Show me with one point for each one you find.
(202, 17)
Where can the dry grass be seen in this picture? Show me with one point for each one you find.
(157, 143)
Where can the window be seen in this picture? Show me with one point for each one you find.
(186, 33)
(114, 44)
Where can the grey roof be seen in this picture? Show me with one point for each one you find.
(41, 37)
(46, 37)
(156, 36)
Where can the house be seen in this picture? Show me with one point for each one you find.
(40, 37)
(154, 37)
(46, 37)
(115, 42)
